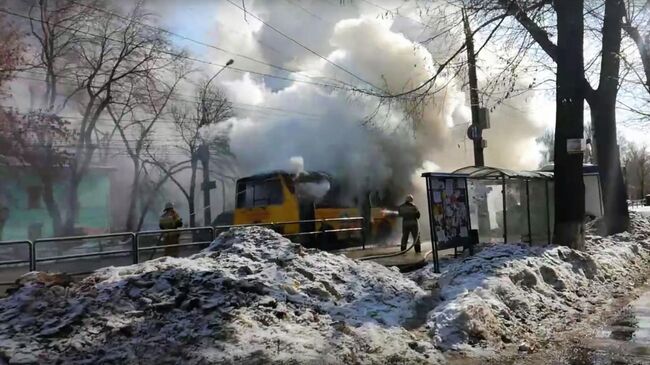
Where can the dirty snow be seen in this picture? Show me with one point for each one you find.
(519, 294)
(252, 297)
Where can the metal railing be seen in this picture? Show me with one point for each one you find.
(636, 203)
(101, 253)
(159, 235)
(135, 243)
(29, 262)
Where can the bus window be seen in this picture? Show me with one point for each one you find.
(259, 193)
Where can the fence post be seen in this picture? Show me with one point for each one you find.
(32, 256)
(134, 247)
(363, 233)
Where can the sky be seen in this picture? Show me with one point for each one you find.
(355, 43)
(198, 20)
(284, 112)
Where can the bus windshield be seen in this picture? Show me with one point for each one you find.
(258, 193)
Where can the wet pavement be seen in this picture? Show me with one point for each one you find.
(623, 340)
(406, 260)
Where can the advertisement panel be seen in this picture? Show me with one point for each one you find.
(449, 210)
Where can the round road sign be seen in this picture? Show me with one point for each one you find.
(474, 132)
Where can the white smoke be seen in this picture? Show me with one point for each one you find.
(313, 190)
(297, 165)
(324, 127)
(384, 155)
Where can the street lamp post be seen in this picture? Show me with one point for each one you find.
(204, 152)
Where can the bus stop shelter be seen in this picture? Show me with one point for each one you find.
(510, 206)
(496, 205)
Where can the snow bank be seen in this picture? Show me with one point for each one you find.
(255, 297)
(252, 297)
(508, 293)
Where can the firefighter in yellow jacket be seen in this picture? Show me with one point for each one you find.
(170, 220)
(410, 215)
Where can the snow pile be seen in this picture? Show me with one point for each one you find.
(252, 297)
(507, 293)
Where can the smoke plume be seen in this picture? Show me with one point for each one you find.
(387, 154)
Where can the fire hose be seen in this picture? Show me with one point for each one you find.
(417, 239)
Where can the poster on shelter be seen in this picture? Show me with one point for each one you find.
(448, 198)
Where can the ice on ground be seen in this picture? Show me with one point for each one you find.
(251, 297)
(514, 292)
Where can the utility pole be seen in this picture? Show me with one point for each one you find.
(207, 185)
(204, 153)
(475, 131)
(480, 121)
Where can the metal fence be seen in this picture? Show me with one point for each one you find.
(81, 255)
(153, 242)
(16, 259)
(636, 203)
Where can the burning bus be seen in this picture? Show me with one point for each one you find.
(308, 197)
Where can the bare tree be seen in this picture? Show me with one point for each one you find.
(11, 57)
(602, 100)
(108, 55)
(135, 115)
(201, 126)
(547, 141)
(40, 140)
(167, 171)
(11, 52)
(56, 25)
(636, 23)
(637, 169)
(569, 186)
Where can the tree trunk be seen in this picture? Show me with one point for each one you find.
(642, 185)
(569, 125)
(133, 197)
(51, 205)
(603, 119)
(73, 206)
(192, 198)
(146, 206)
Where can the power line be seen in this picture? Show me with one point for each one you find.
(347, 87)
(291, 2)
(184, 37)
(243, 107)
(396, 14)
(302, 45)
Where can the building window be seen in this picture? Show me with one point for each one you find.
(34, 197)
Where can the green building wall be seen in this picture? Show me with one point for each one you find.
(94, 201)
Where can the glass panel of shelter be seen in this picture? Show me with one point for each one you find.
(539, 213)
(486, 209)
(520, 224)
(516, 204)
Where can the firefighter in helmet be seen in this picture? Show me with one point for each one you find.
(410, 215)
(170, 220)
